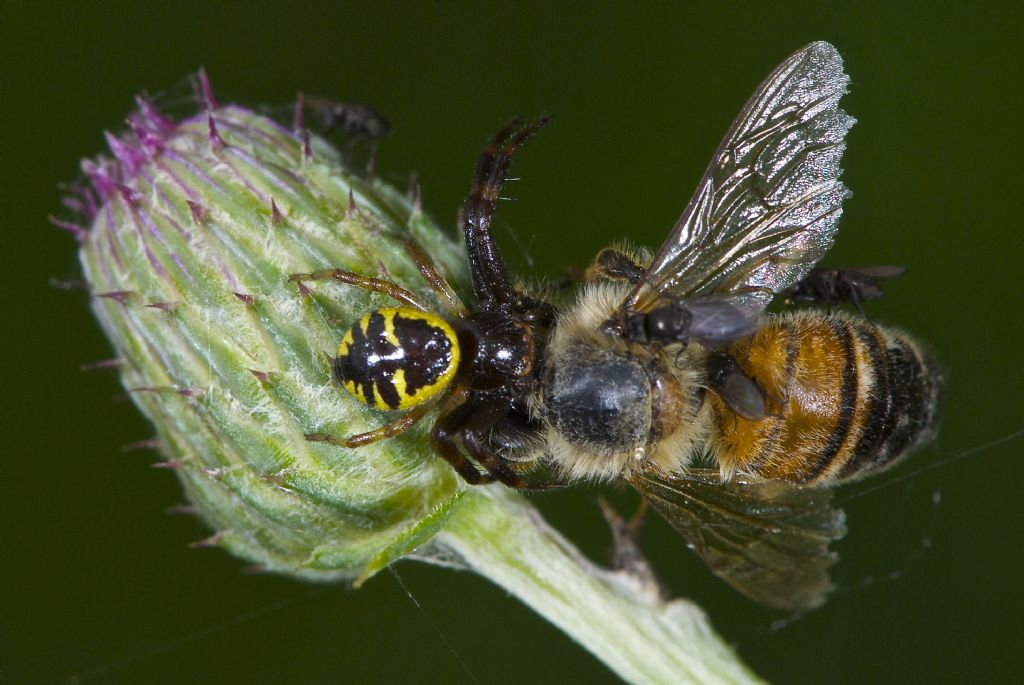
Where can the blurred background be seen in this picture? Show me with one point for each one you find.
(99, 584)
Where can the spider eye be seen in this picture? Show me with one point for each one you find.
(397, 358)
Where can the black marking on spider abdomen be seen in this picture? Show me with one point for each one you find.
(396, 358)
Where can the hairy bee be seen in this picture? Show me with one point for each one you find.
(662, 362)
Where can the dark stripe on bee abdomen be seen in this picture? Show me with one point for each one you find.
(848, 399)
(876, 425)
(853, 398)
(904, 409)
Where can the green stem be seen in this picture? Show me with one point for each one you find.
(644, 639)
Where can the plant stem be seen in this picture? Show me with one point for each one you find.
(641, 637)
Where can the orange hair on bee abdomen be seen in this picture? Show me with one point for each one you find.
(845, 397)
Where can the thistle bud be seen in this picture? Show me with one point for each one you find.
(194, 229)
(189, 231)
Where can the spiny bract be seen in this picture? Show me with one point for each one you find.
(188, 235)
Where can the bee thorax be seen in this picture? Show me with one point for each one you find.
(600, 400)
(611, 406)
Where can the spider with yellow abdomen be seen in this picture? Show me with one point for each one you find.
(480, 365)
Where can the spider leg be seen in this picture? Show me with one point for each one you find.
(472, 421)
(490, 279)
(392, 290)
(434, 279)
(475, 433)
(390, 430)
(444, 433)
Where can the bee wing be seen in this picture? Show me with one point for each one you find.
(766, 209)
(768, 539)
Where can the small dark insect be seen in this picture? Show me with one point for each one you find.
(353, 119)
(664, 362)
(836, 286)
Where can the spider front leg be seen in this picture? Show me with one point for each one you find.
(472, 422)
(490, 279)
(424, 265)
(445, 433)
(377, 285)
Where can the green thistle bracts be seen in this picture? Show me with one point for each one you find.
(195, 228)
(188, 237)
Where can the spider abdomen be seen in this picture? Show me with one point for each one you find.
(397, 357)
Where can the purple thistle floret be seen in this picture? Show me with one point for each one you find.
(189, 230)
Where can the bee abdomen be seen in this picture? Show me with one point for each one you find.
(847, 397)
(902, 407)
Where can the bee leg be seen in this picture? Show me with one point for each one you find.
(495, 465)
(743, 395)
(628, 556)
(610, 264)
(614, 265)
(377, 285)
(396, 427)
(474, 437)
(514, 436)
(486, 267)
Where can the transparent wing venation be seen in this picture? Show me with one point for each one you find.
(767, 207)
(768, 539)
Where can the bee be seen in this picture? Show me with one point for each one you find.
(666, 372)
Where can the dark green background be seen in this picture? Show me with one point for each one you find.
(99, 581)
